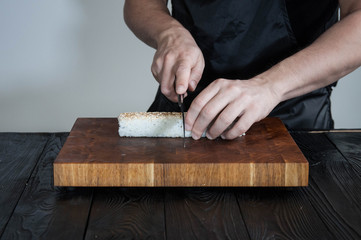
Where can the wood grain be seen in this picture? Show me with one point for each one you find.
(280, 213)
(127, 213)
(47, 212)
(19, 153)
(329, 208)
(350, 147)
(94, 155)
(335, 190)
(203, 213)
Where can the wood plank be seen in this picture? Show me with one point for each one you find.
(94, 155)
(349, 144)
(19, 153)
(203, 213)
(127, 213)
(336, 192)
(45, 211)
(280, 213)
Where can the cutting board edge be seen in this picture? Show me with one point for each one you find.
(181, 175)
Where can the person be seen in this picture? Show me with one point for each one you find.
(238, 62)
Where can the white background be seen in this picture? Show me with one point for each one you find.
(64, 59)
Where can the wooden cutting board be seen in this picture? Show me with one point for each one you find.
(95, 155)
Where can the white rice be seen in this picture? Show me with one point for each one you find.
(151, 124)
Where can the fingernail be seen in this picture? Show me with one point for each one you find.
(223, 137)
(180, 89)
(193, 84)
(208, 136)
(195, 137)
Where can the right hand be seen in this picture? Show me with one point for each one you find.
(177, 57)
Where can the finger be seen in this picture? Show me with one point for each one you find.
(205, 118)
(225, 120)
(240, 127)
(198, 104)
(182, 74)
(196, 74)
(209, 113)
(167, 78)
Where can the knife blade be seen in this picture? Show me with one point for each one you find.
(181, 105)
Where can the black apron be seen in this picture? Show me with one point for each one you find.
(240, 39)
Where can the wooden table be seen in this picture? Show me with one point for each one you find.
(32, 208)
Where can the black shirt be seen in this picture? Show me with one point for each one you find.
(240, 39)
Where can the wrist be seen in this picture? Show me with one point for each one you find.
(269, 84)
(172, 33)
(278, 80)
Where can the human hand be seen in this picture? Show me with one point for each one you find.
(228, 108)
(177, 58)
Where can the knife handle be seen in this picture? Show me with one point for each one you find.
(180, 99)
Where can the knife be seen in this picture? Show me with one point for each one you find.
(181, 105)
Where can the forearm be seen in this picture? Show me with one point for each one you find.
(333, 55)
(150, 20)
(178, 62)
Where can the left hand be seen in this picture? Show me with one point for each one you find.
(217, 107)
